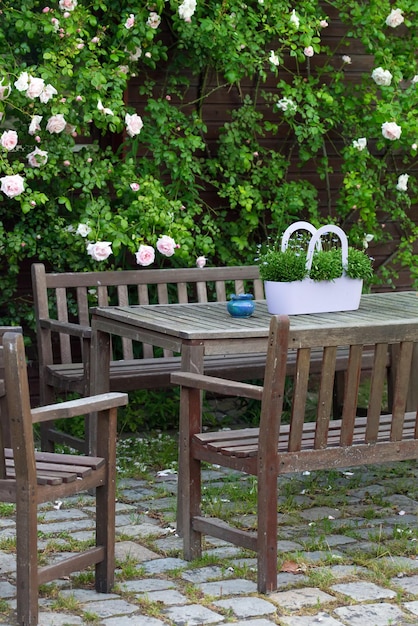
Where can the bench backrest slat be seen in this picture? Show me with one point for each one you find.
(325, 396)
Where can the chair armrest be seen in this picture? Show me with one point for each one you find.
(81, 406)
(66, 327)
(218, 385)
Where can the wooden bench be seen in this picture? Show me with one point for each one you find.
(28, 478)
(62, 302)
(386, 433)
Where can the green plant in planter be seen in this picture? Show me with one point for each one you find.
(290, 265)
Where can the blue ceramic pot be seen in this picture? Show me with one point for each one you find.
(241, 305)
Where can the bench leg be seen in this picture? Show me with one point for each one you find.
(27, 558)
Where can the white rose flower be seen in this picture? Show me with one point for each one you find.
(381, 76)
(37, 158)
(35, 87)
(187, 9)
(100, 250)
(346, 59)
(287, 104)
(56, 123)
(22, 82)
(47, 93)
(4, 89)
(12, 186)
(273, 58)
(134, 124)
(402, 182)
(105, 110)
(35, 124)
(83, 230)
(294, 19)
(391, 130)
(9, 140)
(395, 18)
(360, 144)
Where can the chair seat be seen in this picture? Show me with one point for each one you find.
(55, 469)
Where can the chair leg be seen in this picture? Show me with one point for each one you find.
(27, 558)
(105, 503)
(267, 533)
(192, 540)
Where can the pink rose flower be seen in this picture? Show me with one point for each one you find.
(35, 87)
(308, 51)
(56, 123)
(153, 20)
(391, 130)
(100, 250)
(12, 186)
(395, 18)
(37, 158)
(8, 139)
(145, 255)
(130, 22)
(166, 245)
(134, 186)
(134, 124)
(67, 5)
(201, 261)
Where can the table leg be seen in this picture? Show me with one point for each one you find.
(191, 361)
(99, 378)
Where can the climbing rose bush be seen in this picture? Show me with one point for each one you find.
(79, 166)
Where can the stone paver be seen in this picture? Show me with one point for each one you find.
(162, 589)
(246, 607)
(370, 614)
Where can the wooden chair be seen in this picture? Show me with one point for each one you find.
(28, 478)
(4, 421)
(385, 434)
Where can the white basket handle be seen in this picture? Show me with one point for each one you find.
(330, 228)
(298, 226)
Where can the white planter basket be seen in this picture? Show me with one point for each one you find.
(309, 296)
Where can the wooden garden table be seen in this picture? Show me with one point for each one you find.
(196, 329)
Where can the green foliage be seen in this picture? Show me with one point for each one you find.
(290, 265)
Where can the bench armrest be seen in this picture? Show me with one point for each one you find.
(217, 385)
(81, 406)
(69, 328)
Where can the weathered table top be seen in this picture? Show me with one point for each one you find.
(211, 321)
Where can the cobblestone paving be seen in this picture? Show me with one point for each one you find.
(349, 560)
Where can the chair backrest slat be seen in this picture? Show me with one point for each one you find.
(401, 389)
(18, 399)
